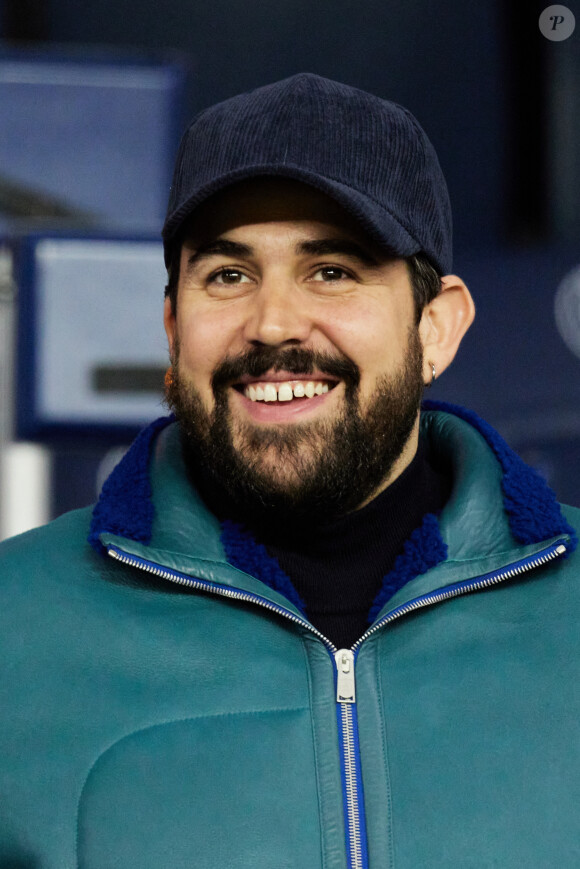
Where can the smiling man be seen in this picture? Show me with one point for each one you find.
(317, 623)
(298, 361)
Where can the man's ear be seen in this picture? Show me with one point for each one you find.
(444, 322)
(169, 324)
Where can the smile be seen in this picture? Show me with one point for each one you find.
(286, 390)
(282, 397)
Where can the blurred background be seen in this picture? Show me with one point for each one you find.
(93, 98)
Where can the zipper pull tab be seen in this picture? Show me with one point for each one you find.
(345, 679)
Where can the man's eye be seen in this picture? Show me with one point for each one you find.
(228, 276)
(331, 273)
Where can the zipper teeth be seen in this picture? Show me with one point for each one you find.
(495, 579)
(179, 579)
(351, 787)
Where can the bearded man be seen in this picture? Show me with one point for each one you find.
(317, 623)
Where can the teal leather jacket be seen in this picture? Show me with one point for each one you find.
(162, 708)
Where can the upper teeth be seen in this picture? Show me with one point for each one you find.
(284, 391)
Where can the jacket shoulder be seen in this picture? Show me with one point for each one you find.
(34, 553)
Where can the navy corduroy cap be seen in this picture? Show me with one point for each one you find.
(370, 155)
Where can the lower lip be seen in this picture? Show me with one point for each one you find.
(282, 411)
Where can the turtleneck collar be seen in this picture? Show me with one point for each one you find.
(336, 567)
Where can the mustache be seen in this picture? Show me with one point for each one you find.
(296, 360)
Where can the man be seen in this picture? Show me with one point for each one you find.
(316, 626)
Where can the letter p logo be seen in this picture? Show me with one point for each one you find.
(557, 23)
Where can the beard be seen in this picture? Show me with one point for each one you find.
(299, 473)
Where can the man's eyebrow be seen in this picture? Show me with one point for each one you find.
(311, 247)
(345, 246)
(220, 246)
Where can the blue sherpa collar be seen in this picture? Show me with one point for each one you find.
(125, 506)
(248, 555)
(423, 550)
(531, 506)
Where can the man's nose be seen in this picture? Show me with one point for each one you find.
(278, 314)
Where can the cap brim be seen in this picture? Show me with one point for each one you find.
(380, 225)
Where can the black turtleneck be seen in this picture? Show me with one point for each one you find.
(337, 567)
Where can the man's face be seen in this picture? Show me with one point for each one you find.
(296, 359)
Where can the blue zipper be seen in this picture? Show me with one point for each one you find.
(344, 661)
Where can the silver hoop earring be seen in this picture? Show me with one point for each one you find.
(433, 373)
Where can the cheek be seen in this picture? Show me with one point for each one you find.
(371, 337)
(203, 342)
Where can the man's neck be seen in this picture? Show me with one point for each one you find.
(404, 460)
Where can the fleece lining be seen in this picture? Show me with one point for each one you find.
(125, 507)
(534, 514)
